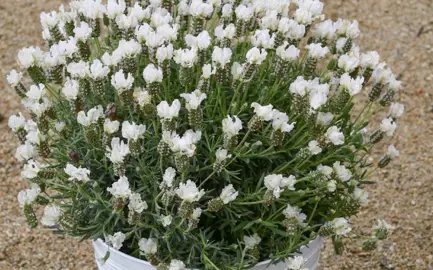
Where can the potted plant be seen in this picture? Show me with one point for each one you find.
(201, 135)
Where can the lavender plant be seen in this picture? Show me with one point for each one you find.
(208, 135)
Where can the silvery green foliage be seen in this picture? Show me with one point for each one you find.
(200, 134)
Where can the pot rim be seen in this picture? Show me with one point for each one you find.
(129, 257)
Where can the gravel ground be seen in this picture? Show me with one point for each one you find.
(400, 30)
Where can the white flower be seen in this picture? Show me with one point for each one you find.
(324, 119)
(292, 29)
(227, 10)
(222, 154)
(315, 50)
(111, 127)
(334, 135)
(68, 48)
(194, 99)
(237, 70)
(79, 70)
(82, 32)
(277, 182)
(222, 33)
(354, 86)
(35, 137)
(176, 264)
(279, 121)
(325, 30)
(296, 263)
(231, 126)
(120, 188)
(207, 71)
(31, 169)
(299, 86)
(340, 225)
(98, 71)
(198, 8)
(252, 241)
(262, 39)
(189, 192)
(51, 215)
(294, 212)
(147, 246)
(314, 148)
(164, 53)
(288, 53)
(185, 57)
(342, 172)
(119, 150)
(14, 78)
(331, 185)
(370, 59)
(127, 49)
(168, 177)
(152, 74)
(388, 126)
(142, 97)
(25, 152)
(185, 145)
(221, 56)
(132, 131)
(71, 89)
(115, 240)
(37, 107)
(16, 122)
(154, 40)
(115, 8)
(318, 94)
(77, 174)
(270, 21)
(126, 22)
(244, 13)
(160, 16)
(350, 29)
(325, 170)
(265, 113)
(201, 42)
(91, 117)
(167, 31)
(138, 12)
(256, 56)
(392, 152)
(394, 84)
(108, 60)
(121, 82)
(49, 20)
(228, 194)
(396, 110)
(196, 213)
(348, 63)
(36, 92)
(136, 204)
(381, 74)
(30, 56)
(361, 196)
(28, 196)
(166, 111)
(166, 220)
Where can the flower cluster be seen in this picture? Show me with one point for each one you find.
(201, 134)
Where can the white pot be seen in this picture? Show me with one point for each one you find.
(121, 261)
